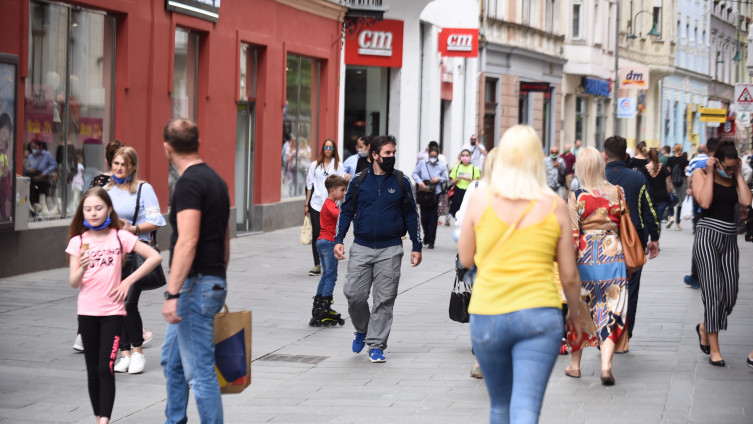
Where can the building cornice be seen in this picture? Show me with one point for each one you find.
(522, 51)
(323, 8)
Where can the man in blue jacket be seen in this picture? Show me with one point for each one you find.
(383, 209)
(642, 212)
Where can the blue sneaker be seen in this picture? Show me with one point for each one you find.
(359, 341)
(691, 282)
(376, 355)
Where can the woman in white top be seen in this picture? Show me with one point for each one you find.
(328, 163)
(123, 189)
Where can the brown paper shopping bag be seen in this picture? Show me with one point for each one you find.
(232, 350)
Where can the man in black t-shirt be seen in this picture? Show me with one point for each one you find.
(196, 288)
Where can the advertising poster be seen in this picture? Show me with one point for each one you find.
(8, 86)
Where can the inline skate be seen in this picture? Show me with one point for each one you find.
(322, 314)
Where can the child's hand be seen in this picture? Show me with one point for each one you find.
(120, 292)
(84, 260)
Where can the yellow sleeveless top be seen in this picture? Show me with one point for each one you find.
(521, 275)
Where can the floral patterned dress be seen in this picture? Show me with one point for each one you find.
(595, 218)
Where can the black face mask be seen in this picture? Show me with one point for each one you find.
(387, 164)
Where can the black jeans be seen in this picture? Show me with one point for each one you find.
(456, 200)
(100, 337)
(131, 334)
(429, 221)
(316, 228)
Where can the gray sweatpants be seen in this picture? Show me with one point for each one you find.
(377, 270)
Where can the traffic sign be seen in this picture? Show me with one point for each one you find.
(713, 115)
(743, 97)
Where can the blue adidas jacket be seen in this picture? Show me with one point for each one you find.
(642, 212)
(381, 217)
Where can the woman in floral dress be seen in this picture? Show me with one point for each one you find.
(595, 211)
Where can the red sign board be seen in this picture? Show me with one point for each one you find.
(378, 45)
(458, 42)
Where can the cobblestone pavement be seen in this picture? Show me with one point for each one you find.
(309, 375)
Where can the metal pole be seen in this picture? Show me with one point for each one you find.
(616, 85)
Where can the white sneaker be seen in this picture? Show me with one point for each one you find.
(147, 335)
(122, 365)
(78, 345)
(137, 363)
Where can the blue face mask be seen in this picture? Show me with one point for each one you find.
(363, 153)
(722, 173)
(121, 180)
(104, 225)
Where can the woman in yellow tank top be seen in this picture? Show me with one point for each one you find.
(513, 231)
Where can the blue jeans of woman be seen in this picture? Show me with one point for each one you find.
(326, 251)
(188, 351)
(516, 352)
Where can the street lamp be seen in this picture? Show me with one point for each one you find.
(736, 58)
(653, 30)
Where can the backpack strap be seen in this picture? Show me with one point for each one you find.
(401, 181)
(361, 176)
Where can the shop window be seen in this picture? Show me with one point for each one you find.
(299, 123)
(577, 20)
(68, 106)
(249, 61)
(581, 119)
(600, 124)
(183, 99)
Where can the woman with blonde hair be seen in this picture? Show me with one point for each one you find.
(595, 210)
(137, 207)
(513, 230)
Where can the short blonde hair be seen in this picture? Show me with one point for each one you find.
(677, 149)
(518, 171)
(590, 169)
(486, 172)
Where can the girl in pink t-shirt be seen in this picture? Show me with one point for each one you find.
(96, 250)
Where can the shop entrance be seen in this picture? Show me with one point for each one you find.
(366, 99)
(244, 168)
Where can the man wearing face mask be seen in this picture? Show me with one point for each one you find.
(429, 175)
(382, 201)
(477, 150)
(555, 171)
(425, 154)
(360, 161)
(42, 168)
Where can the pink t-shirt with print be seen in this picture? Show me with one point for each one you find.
(103, 274)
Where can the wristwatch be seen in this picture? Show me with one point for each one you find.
(169, 295)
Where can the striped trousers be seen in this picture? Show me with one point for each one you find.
(717, 259)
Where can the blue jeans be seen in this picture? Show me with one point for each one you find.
(516, 352)
(326, 250)
(188, 351)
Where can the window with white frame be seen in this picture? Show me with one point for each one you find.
(577, 20)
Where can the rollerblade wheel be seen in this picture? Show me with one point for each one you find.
(342, 322)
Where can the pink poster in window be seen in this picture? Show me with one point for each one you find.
(90, 130)
(39, 113)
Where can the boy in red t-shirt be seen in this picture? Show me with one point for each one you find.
(322, 312)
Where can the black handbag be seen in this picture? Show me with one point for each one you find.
(428, 196)
(459, 300)
(155, 278)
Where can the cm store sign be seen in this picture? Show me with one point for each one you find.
(458, 42)
(378, 45)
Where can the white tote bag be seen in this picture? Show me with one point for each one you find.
(686, 212)
(306, 231)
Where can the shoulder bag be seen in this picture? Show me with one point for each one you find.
(428, 196)
(154, 279)
(632, 248)
(460, 297)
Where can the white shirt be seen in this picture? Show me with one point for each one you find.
(315, 181)
(478, 154)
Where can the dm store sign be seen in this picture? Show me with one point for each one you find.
(635, 77)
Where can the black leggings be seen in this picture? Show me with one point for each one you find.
(316, 228)
(131, 333)
(100, 337)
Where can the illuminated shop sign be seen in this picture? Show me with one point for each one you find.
(204, 9)
(596, 87)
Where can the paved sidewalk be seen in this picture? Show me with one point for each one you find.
(664, 378)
